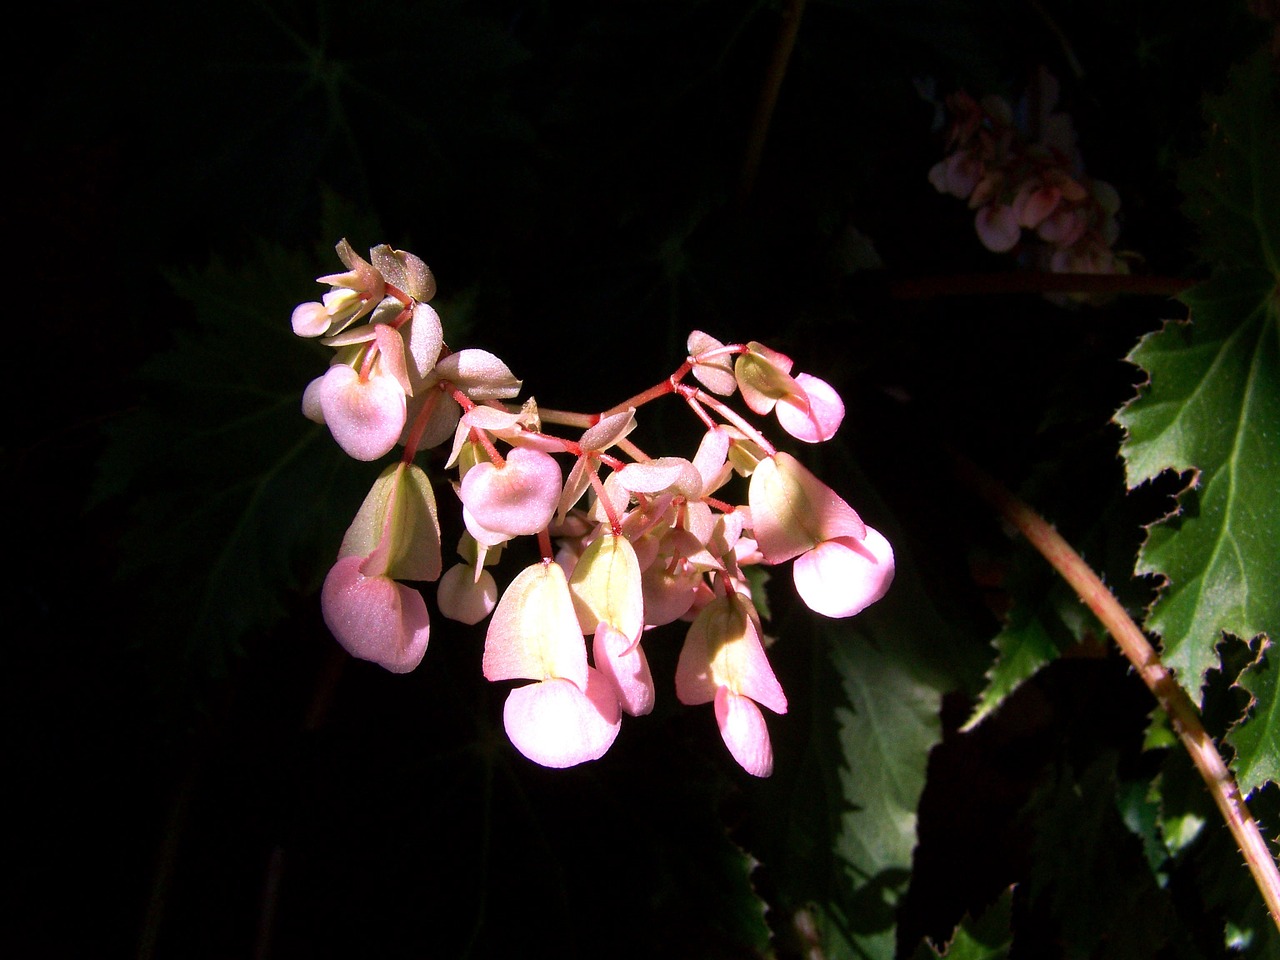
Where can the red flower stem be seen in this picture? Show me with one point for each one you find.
(567, 418)
(367, 365)
(478, 435)
(632, 451)
(414, 436)
(544, 545)
(733, 417)
(598, 485)
(700, 413)
(1183, 715)
(400, 295)
(653, 393)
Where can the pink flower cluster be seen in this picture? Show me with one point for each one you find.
(629, 542)
(1029, 181)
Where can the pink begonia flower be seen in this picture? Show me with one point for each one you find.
(744, 732)
(997, 227)
(957, 174)
(571, 714)
(397, 529)
(722, 652)
(364, 416)
(1035, 201)
(815, 414)
(844, 576)
(534, 632)
(516, 499)
(1063, 228)
(714, 373)
(405, 271)
(808, 408)
(609, 600)
(556, 724)
(792, 511)
(356, 292)
(669, 590)
(466, 596)
(623, 664)
(375, 618)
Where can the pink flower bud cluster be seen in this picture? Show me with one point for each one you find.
(629, 541)
(1029, 189)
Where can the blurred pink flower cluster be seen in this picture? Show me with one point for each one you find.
(1025, 180)
(628, 541)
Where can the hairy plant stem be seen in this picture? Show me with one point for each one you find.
(1183, 715)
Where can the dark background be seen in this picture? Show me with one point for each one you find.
(573, 174)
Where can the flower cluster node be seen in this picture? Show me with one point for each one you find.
(629, 542)
(1023, 176)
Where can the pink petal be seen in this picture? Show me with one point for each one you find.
(1034, 203)
(479, 374)
(716, 374)
(463, 597)
(744, 732)
(556, 724)
(622, 662)
(792, 510)
(375, 618)
(534, 632)
(1063, 228)
(425, 339)
(997, 227)
(723, 649)
(517, 498)
(816, 420)
(391, 355)
(364, 416)
(844, 576)
(310, 320)
(668, 595)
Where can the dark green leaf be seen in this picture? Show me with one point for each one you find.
(986, 937)
(1212, 407)
(1256, 739)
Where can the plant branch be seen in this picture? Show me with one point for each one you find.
(968, 284)
(1182, 713)
(782, 48)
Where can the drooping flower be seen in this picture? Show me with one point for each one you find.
(375, 618)
(844, 576)
(722, 660)
(570, 714)
(516, 499)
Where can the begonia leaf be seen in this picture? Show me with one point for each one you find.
(1256, 738)
(988, 936)
(1211, 406)
(1042, 622)
(1233, 193)
(1212, 409)
(237, 503)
